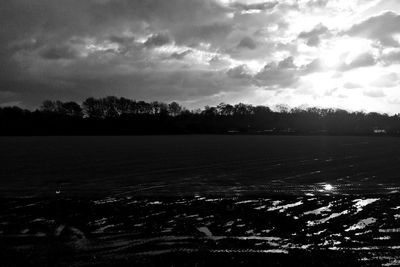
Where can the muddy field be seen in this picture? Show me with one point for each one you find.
(200, 200)
(200, 231)
(186, 165)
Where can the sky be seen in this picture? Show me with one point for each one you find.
(300, 53)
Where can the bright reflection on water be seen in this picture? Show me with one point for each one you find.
(328, 187)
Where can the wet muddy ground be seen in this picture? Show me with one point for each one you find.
(198, 231)
(186, 165)
(200, 201)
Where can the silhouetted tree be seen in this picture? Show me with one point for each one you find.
(93, 108)
(261, 110)
(242, 109)
(225, 109)
(68, 108)
(174, 109)
(48, 106)
(159, 108)
(210, 111)
(112, 115)
(123, 106)
(72, 109)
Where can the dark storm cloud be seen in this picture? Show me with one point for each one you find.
(147, 85)
(363, 60)
(35, 33)
(313, 37)
(380, 28)
(239, 72)
(31, 92)
(281, 74)
(162, 85)
(60, 20)
(213, 33)
(102, 46)
(159, 39)
(123, 41)
(257, 6)
(218, 62)
(248, 43)
(284, 74)
(59, 52)
(181, 55)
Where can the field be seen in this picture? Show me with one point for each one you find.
(200, 200)
(186, 165)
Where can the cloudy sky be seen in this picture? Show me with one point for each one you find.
(326, 53)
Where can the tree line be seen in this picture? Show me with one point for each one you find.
(121, 116)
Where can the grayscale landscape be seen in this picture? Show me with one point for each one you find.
(194, 133)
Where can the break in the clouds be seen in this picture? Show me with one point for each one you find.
(335, 53)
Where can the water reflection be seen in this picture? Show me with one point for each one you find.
(328, 187)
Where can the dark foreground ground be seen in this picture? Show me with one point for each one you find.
(202, 231)
(200, 201)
